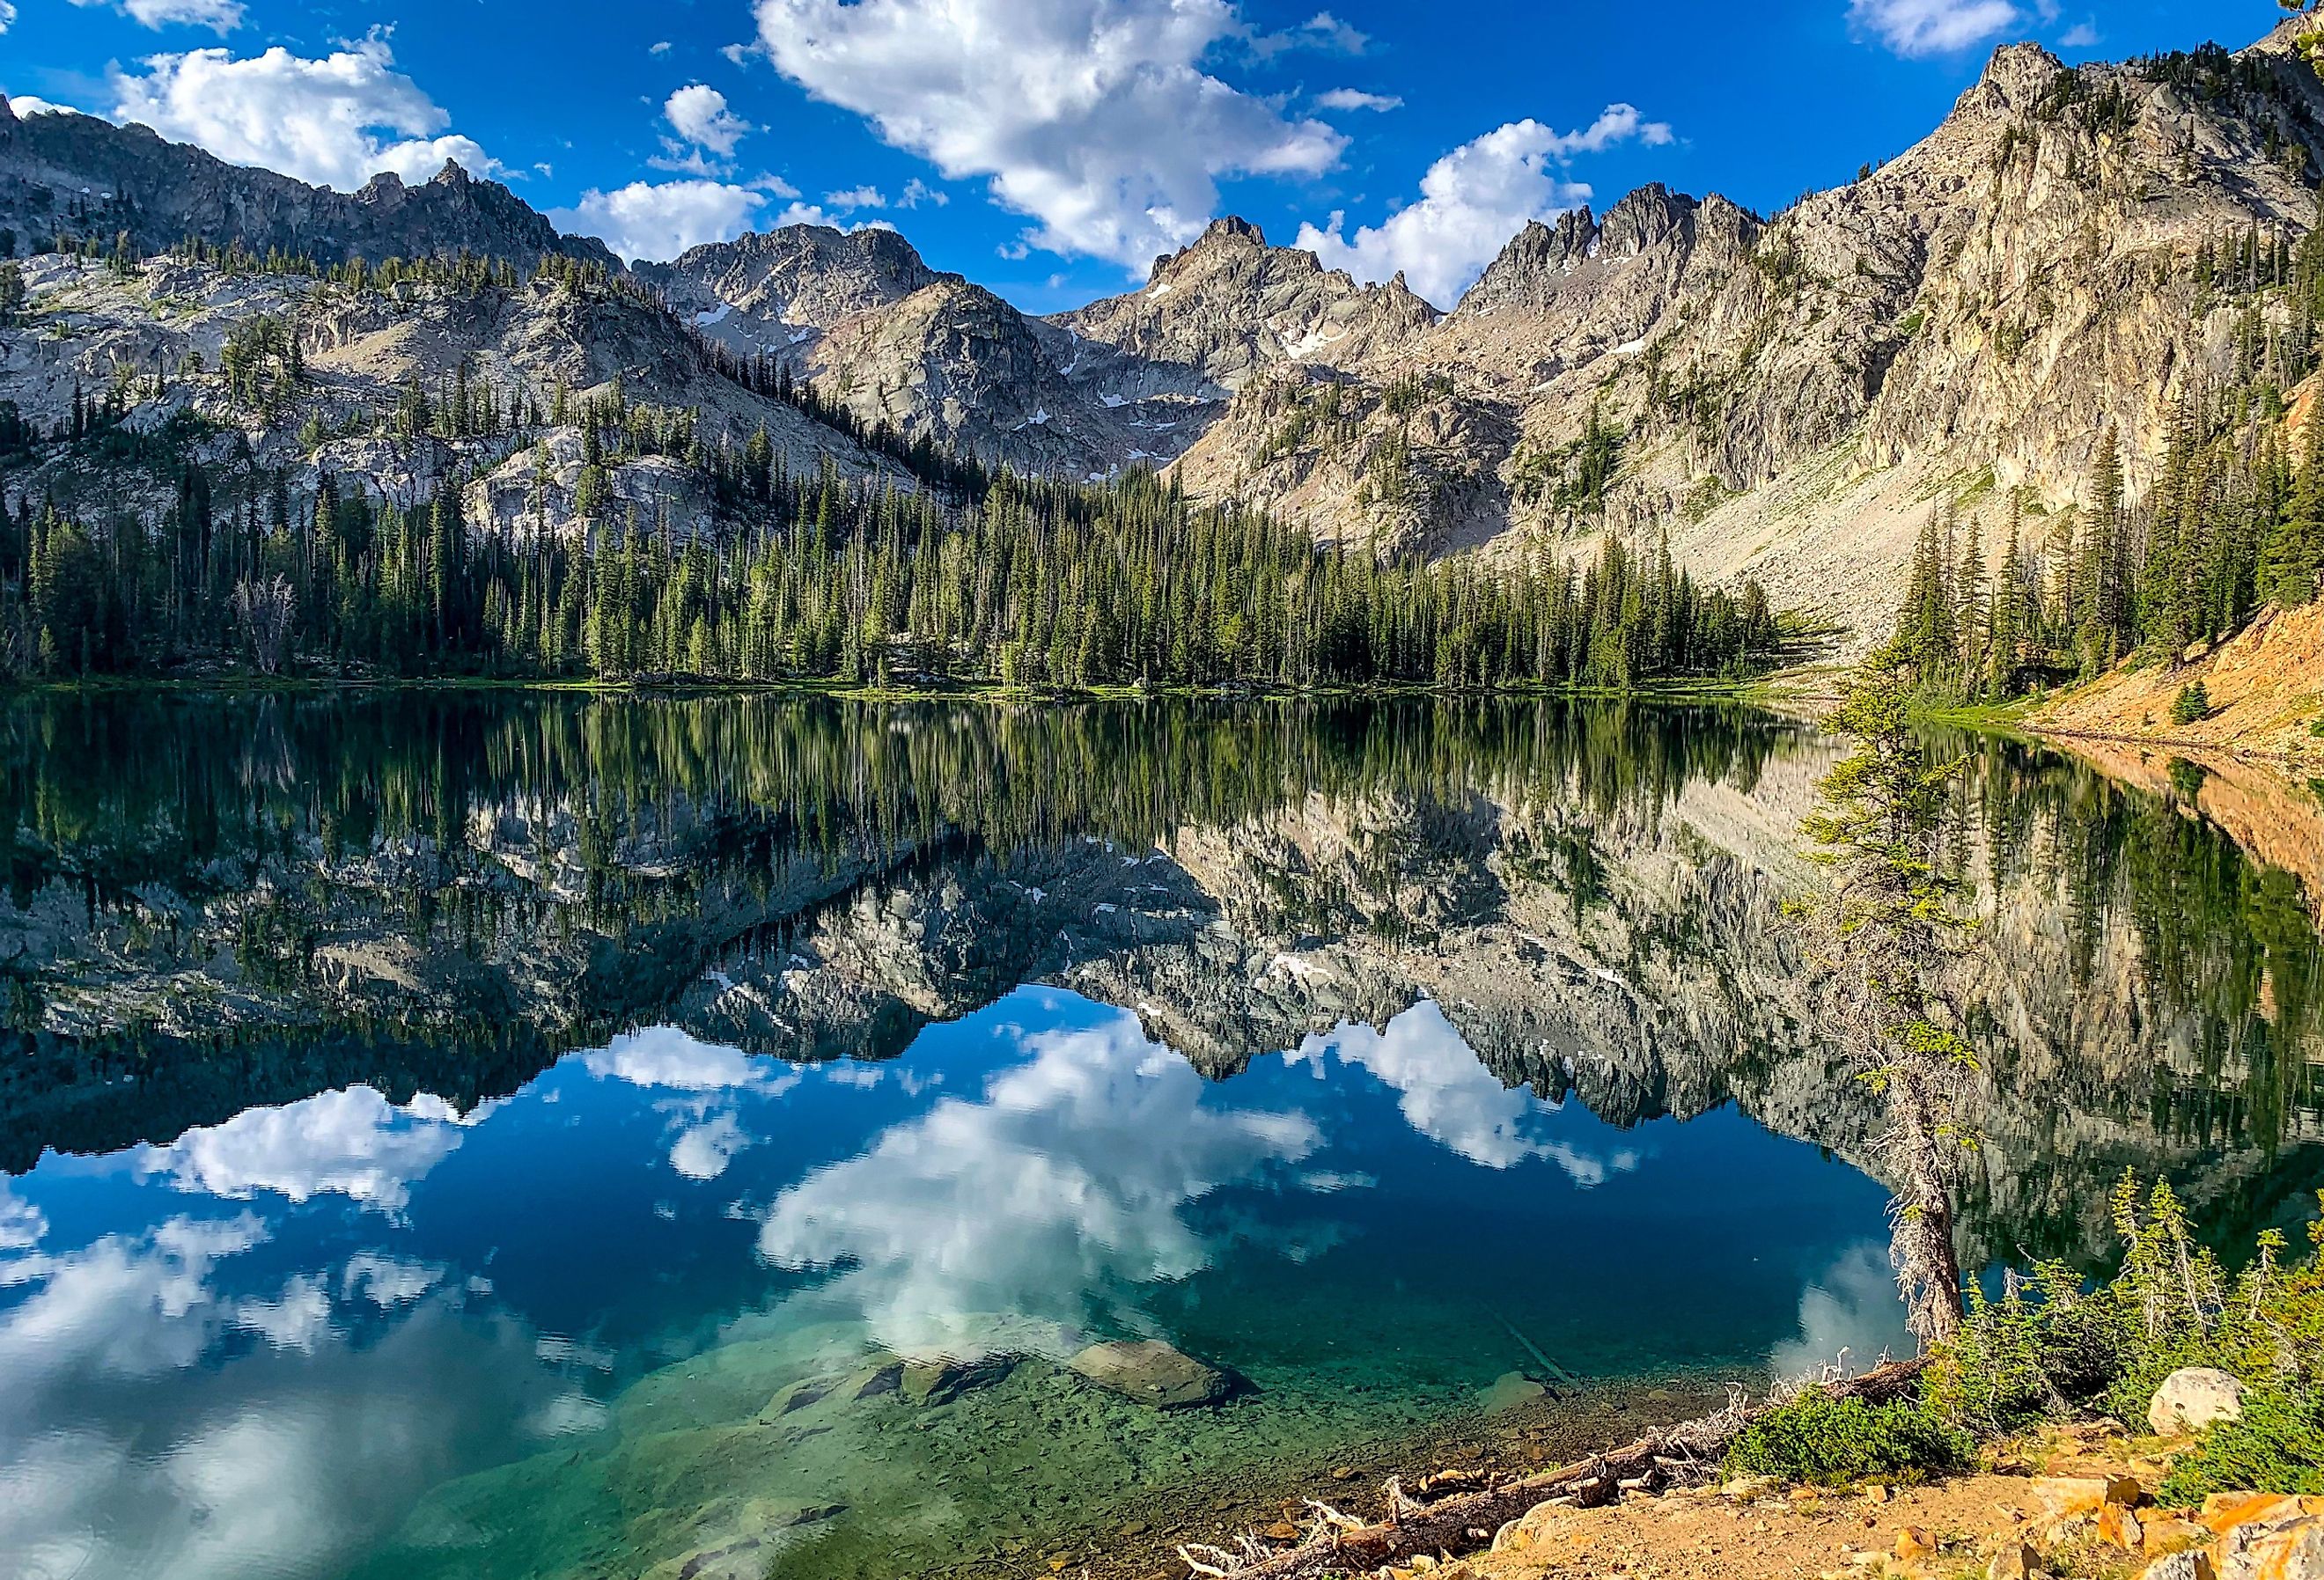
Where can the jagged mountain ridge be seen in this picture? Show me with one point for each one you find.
(160, 193)
(1787, 394)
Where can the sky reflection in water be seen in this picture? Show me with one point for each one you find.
(254, 1349)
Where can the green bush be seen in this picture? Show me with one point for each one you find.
(2192, 703)
(2277, 1446)
(1831, 1442)
(2052, 1348)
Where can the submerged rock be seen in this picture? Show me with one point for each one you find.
(1510, 1391)
(941, 1381)
(1155, 1373)
(758, 1526)
(799, 1395)
(883, 1377)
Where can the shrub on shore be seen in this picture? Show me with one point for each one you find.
(1830, 1442)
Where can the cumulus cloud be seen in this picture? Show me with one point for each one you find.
(856, 198)
(698, 114)
(334, 122)
(7, 21)
(26, 103)
(1062, 1187)
(352, 1142)
(222, 17)
(661, 219)
(1472, 201)
(918, 192)
(1356, 99)
(1917, 28)
(2082, 35)
(1849, 1310)
(1448, 1096)
(1093, 118)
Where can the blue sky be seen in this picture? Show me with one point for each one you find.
(1050, 148)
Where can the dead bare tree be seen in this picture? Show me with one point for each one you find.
(268, 609)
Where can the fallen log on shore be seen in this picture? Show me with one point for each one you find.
(1467, 1521)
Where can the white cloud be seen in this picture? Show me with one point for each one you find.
(698, 114)
(352, 1142)
(662, 48)
(1448, 1096)
(661, 219)
(1321, 30)
(223, 16)
(321, 120)
(22, 1224)
(1356, 99)
(1064, 1185)
(1851, 1310)
(7, 21)
(666, 1057)
(918, 192)
(856, 198)
(1915, 28)
(1472, 201)
(26, 103)
(2082, 35)
(1093, 117)
(702, 1151)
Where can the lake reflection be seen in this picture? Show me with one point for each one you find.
(505, 1137)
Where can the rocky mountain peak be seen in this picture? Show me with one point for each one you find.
(453, 174)
(1644, 219)
(2013, 80)
(1221, 239)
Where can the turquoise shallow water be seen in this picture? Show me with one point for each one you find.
(535, 1336)
(525, 1137)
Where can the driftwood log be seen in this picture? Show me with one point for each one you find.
(1467, 1521)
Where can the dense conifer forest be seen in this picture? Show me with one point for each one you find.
(2232, 520)
(948, 573)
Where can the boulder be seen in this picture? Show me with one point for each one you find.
(878, 1378)
(798, 1396)
(1510, 1390)
(2191, 1398)
(2015, 1561)
(2191, 1566)
(2267, 1539)
(1153, 1373)
(942, 1381)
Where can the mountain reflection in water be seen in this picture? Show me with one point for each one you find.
(1346, 1048)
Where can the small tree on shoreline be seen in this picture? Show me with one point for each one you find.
(1892, 938)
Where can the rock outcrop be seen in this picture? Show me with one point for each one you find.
(61, 171)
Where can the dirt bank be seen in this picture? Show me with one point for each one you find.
(2265, 686)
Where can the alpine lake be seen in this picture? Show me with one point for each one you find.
(532, 1134)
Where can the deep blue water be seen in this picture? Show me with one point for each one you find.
(520, 1137)
(253, 1349)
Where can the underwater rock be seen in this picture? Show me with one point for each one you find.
(741, 1552)
(799, 1395)
(1507, 1392)
(883, 1377)
(942, 1381)
(1155, 1373)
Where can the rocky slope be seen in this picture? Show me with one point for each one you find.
(160, 332)
(1788, 394)
(62, 170)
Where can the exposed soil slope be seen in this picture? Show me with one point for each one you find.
(2265, 686)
